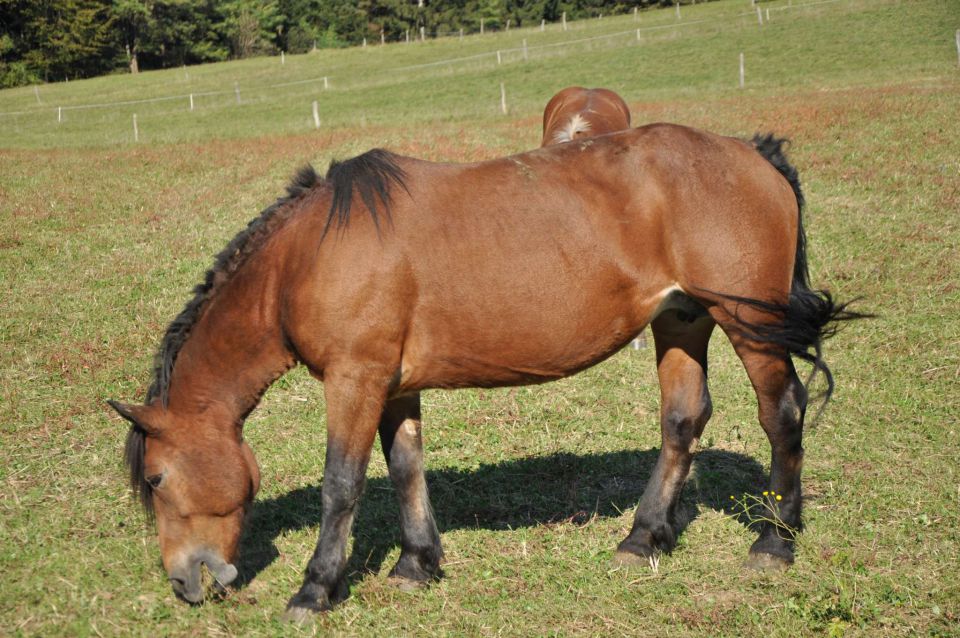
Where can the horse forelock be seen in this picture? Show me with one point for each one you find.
(133, 456)
(225, 264)
(372, 176)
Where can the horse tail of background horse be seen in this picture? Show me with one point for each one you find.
(809, 316)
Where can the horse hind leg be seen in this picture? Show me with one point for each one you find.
(681, 340)
(782, 402)
(421, 552)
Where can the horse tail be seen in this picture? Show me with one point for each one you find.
(809, 316)
(577, 124)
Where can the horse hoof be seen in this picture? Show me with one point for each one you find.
(624, 559)
(406, 584)
(764, 562)
(298, 615)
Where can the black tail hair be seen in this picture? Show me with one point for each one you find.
(809, 316)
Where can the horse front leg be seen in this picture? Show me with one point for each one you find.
(685, 408)
(354, 407)
(421, 553)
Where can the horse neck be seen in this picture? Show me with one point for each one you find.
(236, 349)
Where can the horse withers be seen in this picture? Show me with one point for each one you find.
(393, 275)
(576, 112)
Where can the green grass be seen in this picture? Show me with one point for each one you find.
(101, 241)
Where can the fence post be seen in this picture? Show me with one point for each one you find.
(508, 25)
(36, 89)
(283, 59)
(638, 35)
(136, 131)
(498, 58)
(423, 34)
(59, 114)
(481, 26)
(524, 48)
(759, 16)
(635, 14)
(236, 89)
(741, 70)
(503, 98)
(191, 101)
(543, 25)
(383, 38)
(678, 10)
(316, 115)
(958, 46)
(461, 34)
(564, 20)
(326, 83)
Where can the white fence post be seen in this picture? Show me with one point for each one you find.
(759, 16)
(236, 89)
(958, 46)
(741, 70)
(524, 48)
(283, 58)
(678, 10)
(316, 115)
(635, 14)
(503, 98)
(136, 131)
(191, 101)
(59, 114)
(498, 58)
(36, 89)
(564, 20)
(543, 25)
(423, 34)
(326, 84)
(481, 26)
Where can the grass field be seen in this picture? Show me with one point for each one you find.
(101, 240)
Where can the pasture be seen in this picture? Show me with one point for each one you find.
(102, 239)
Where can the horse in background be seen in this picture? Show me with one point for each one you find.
(577, 112)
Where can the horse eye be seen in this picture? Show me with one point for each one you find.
(155, 480)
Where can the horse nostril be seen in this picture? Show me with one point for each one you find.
(178, 584)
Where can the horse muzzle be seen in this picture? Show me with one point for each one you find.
(186, 579)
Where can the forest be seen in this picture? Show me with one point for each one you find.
(56, 40)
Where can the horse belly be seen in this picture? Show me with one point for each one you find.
(498, 335)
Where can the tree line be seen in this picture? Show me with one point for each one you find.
(54, 40)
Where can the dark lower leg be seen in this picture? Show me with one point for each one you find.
(781, 415)
(400, 434)
(684, 410)
(354, 407)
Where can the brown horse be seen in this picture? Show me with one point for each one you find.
(577, 112)
(393, 275)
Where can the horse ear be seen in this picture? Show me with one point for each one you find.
(138, 415)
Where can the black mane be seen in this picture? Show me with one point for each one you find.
(227, 262)
(371, 175)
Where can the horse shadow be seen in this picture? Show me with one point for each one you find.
(526, 492)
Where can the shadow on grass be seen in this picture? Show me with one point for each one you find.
(542, 490)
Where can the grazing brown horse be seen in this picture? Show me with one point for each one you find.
(577, 112)
(393, 275)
